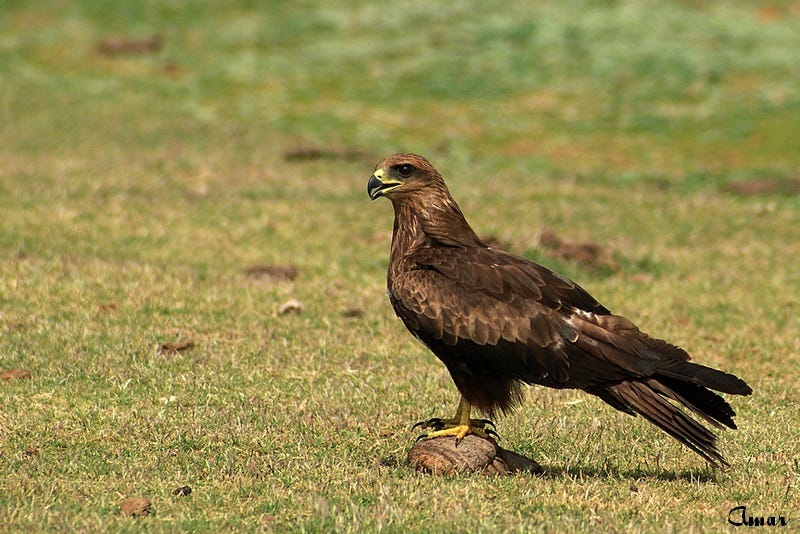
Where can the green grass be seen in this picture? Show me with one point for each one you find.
(136, 189)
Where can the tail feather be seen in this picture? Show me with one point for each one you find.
(655, 408)
(700, 400)
(660, 379)
(705, 376)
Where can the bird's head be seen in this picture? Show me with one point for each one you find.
(400, 175)
(421, 201)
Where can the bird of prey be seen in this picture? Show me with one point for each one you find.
(498, 321)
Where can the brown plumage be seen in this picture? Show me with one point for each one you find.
(497, 321)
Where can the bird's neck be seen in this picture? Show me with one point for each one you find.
(437, 223)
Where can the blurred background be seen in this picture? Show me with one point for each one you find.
(163, 99)
(670, 88)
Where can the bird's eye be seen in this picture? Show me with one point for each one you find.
(405, 170)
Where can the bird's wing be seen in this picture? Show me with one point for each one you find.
(505, 276)
(525, 319)
(448, 318)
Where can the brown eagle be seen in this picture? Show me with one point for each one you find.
(497, 320)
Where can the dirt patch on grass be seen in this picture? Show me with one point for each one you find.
(307, 153)
(277, 272)
(174, 348)
(353, 313)
(118, 46)
(763, 187)
(584, 252)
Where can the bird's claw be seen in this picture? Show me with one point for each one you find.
(483, 423)
(436, 423)
(439, 427)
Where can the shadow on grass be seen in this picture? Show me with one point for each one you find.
(604, 472)
(639, 473)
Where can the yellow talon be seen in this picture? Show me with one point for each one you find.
(459, 431)
(459, 426)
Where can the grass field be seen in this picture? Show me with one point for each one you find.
(141, 178)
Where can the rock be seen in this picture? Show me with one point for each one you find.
(135, 507)
(15, 374)
(473, 454)
(182, 491)
(290, 306)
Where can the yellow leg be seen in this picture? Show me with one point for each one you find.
(459, 426)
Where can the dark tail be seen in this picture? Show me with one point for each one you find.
(690, 385)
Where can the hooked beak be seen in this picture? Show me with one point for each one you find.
(377, 186)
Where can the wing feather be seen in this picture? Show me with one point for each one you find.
(490, 298)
